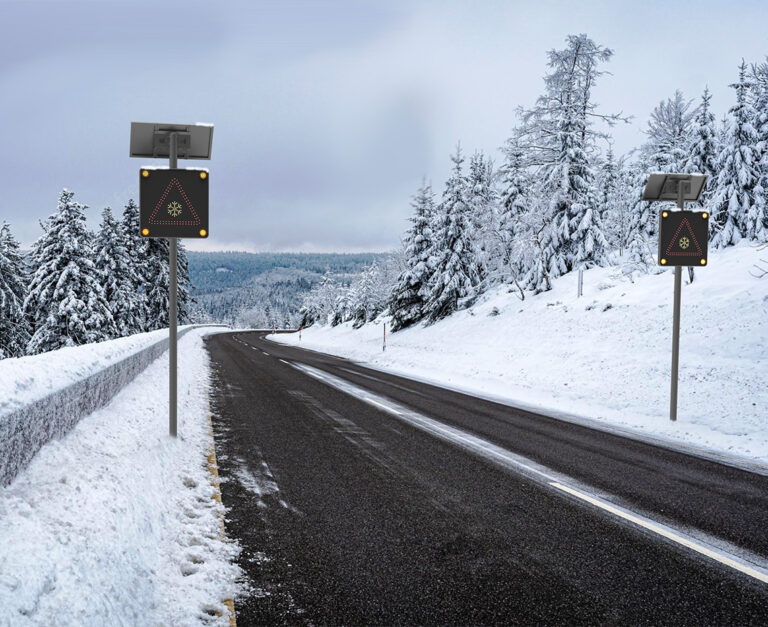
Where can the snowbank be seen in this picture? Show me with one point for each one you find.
(115, 524)
(604, 356)
(27, 379)
(46, 395)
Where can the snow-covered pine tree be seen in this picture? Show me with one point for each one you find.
(136, 248)
(159, 282)
(455, 276)
(515, 184)
(670, 134)
(559, 137)
(342, 307)
(607, 181)
(412, 287)
(117, 276)
(620, 202)
(14, 326)
(587, 239)
(534, 243)
(367, 297)
(318, 305)
(185, 300)
(483, 201)
(66, 302)
(643, 221)
(757, 217)
(738, 175)
(703, 151)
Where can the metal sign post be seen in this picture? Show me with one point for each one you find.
(682, 242)
(173, 203)
(676, 321)
(173, 309)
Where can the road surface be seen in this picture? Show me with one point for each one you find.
(360, 497)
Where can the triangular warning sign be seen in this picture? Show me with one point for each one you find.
(174, 207)
(684, 242)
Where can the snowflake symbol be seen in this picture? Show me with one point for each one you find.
(684, 242)
(174, 209)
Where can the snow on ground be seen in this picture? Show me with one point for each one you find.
(605, 356)
(27, 379)
(115, 524)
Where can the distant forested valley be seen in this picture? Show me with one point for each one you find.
(265, 290)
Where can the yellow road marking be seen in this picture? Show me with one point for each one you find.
(213, 468)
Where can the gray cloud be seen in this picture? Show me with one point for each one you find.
(327, 114)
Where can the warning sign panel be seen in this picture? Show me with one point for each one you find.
(683, 238)
(173, 203)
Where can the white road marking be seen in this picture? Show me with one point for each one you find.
(666, 532)
(266, 353)
(507, 459)
(286, 362)
(383, 406)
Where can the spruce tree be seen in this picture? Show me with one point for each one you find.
(117, 276)
(703, 152)
(559, 136)
(620, 202)
(455, 276)
(66, 302)
(643, 222)
(540, 248)
(159, 284)
(757, 217)
(587, 239)
(483, 200)
(608, 178)
(670, 134)
(406, 304)
(136, 248)
(365, 305)
(14, 327)
(738, 176)
(515, 184)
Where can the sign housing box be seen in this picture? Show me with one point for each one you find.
(173, 203)
(683, 238)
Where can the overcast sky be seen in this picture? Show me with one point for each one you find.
(326, 114)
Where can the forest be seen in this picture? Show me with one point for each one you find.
(560, 200)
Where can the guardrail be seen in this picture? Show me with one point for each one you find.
(25, 430)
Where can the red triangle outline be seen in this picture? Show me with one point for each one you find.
(696, 253)
(195, 222)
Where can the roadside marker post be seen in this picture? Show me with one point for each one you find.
(384, 344)
(683, 237)
(173, 203)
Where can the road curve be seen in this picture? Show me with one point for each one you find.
(348, 515)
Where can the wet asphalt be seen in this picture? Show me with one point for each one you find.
(347, 515)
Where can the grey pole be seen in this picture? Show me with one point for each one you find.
(676, 321)
(172, 313)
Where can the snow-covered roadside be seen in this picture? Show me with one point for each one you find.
(604, 356)
(27, 379)
(115, 524)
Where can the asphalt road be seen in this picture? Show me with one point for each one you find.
(349, 515)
